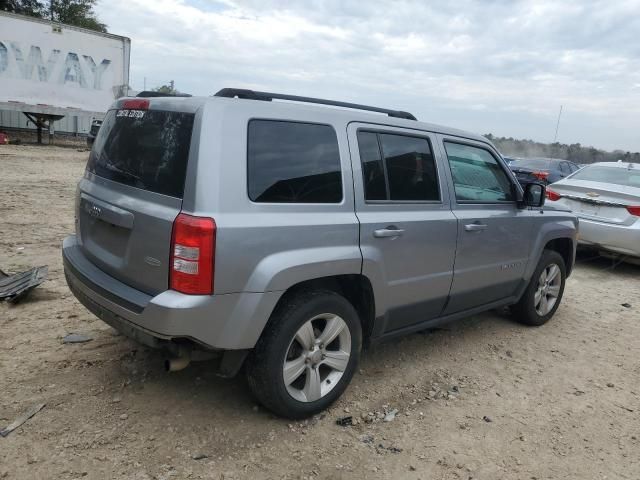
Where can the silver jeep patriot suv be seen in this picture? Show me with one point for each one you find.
(282, 236)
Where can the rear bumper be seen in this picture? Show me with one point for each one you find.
(620, 239)
(227, 322)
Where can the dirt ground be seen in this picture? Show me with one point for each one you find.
(484, 398)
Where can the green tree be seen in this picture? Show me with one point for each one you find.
(168, 89)
(70, 12)
(574, 152)
(32, 8)
(76, 12)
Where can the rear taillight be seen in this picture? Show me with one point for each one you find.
(553, 196)
(541, 175)
(136, 104)
(634, 210)
(193, 253)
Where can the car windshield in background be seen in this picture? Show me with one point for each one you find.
(146, 149)
(616, 175)
(533, 163)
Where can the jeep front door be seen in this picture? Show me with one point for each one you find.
(493, 232)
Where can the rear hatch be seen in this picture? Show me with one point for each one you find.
(132, 192)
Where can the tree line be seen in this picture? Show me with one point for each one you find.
(70, 12)
(574, 152)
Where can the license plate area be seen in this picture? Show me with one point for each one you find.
(589, 209)
(105, 241)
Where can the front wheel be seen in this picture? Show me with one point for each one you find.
(542, 297)
(307, 355)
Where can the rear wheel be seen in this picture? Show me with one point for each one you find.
(542, 297)
(307, 355)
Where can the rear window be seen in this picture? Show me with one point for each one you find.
(407, 172)
(146, 149)
(292, 162)
(616, 175)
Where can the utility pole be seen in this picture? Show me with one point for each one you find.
(555, 138)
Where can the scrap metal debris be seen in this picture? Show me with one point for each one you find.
(20, 420)
(76, 338)
(345, 421)
(14, 288)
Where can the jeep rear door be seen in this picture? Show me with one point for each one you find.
(494, 235)
(407, 229)
(132, 192)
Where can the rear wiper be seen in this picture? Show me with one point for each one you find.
(124, 173)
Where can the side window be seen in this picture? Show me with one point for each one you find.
(477, 175)
(372, 168)
(566, 169)
(411, 170)
(574, 167)
(397, 167)
(291, 162)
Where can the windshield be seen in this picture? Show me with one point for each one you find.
(531, 163)
(146, 149)
(616, 175)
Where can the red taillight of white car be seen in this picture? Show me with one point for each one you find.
(553, 196)
(634, 210)
(193, 252)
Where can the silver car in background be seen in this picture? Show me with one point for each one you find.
(606, 198)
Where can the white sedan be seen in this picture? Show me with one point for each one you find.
(606, 198)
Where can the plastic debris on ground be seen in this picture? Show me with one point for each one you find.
(14, 288)
(76, 338)
(21, 419)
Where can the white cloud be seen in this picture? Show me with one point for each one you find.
(500, 66)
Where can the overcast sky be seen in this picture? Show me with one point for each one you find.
(503, 67)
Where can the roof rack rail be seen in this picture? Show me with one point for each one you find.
(151, 93)
(253, 95)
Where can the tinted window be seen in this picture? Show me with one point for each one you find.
(411, 169)
(408, 172)
(146, 149)
(372, 169)
(477, 175)
(291, 162)
(628, 177)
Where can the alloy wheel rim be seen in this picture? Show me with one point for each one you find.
(317, 357)
(548, 290)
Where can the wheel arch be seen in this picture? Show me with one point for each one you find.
(565, 247)
(356, 288)
(559, 235)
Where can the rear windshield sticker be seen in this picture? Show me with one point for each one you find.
(130, 113)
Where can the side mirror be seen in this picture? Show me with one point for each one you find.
(534, 195)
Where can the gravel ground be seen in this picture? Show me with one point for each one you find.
(483, 398)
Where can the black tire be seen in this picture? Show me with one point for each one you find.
(264, 368)
(525, 310)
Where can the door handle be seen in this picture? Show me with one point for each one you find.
(475, 227)
(388, 232)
